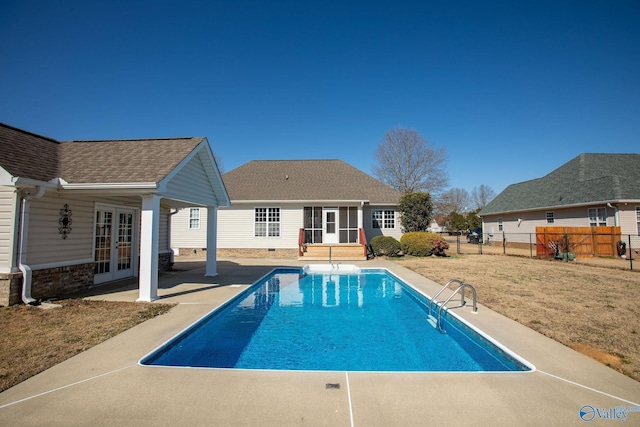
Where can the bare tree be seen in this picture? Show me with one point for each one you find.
(482, 195)
(408, 163)
(453, 200)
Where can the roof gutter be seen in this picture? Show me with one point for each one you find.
(308, 201)
(22, 244)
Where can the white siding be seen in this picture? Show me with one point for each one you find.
(371, 232)
(45, 244)
(236, 228)
(192, 184)
(184, 237)
(163, 238)
(7, 223)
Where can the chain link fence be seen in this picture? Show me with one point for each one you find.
(619, 251)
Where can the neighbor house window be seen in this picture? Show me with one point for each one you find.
(550, 218)
(194, 218)
(267, 222)
(384, 218)
(597, 217)
(500, 226)
(638, 219)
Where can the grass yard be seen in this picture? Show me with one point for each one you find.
(594, 310)
(33, 339)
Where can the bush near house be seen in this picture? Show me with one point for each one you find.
(421, 243)
(385, 245)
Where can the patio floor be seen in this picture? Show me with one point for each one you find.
(105, 386)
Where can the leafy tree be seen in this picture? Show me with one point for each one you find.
(473, 220)
(482, 195)
(408, 163)
(416, 211)
(457, 222)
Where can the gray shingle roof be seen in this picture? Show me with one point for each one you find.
(588, 178)
(310, 180)
(121, 161)
(27, 155)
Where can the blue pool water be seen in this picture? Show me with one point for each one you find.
(364, 320)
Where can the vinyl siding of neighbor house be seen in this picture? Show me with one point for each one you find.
(7, 221)
(629, 224)
(184, 237)
(570, 217)
(192, 183)
(237, 229)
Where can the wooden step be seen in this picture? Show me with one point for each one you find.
(337, 252)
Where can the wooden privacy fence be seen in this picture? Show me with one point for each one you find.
(582, 241)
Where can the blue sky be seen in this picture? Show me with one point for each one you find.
(511, 89)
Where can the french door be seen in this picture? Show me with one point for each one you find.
(114, 243)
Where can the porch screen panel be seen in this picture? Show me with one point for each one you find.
(102, 239)
(313, 225)
(348, 224)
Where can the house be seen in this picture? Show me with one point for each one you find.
(75, 214)
(589, 190)
(289, 208)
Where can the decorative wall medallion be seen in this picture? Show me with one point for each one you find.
(65, 221)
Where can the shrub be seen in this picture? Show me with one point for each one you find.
(385, 245)
(420, 243)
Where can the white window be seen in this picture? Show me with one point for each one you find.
(194, 218)
(550, 218)
(267, 222)
(500, 225)
(384, 218)
(638, 219)
(597, 217)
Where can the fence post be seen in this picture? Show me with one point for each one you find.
(630, 254)
(530, 247)
(504, 243)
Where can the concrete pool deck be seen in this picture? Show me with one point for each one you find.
(105, 386)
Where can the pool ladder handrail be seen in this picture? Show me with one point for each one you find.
(459, 282)
(436, 322)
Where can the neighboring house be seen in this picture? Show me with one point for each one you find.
(273, 200)
(79, 213)
(589, 190)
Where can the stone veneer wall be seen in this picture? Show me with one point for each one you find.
(10, 289)
(194, 252)
(52, 282)
(257, 253)
(165, 262)
(58, 281)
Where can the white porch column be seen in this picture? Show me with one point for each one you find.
(149, 239)
(212, 237)
(360, 219)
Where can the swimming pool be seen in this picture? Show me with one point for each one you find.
(344, 320)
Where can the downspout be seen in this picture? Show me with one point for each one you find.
(172, 254)
(22, 245)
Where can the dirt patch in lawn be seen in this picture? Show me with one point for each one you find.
(593, 310)
(33, 339)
